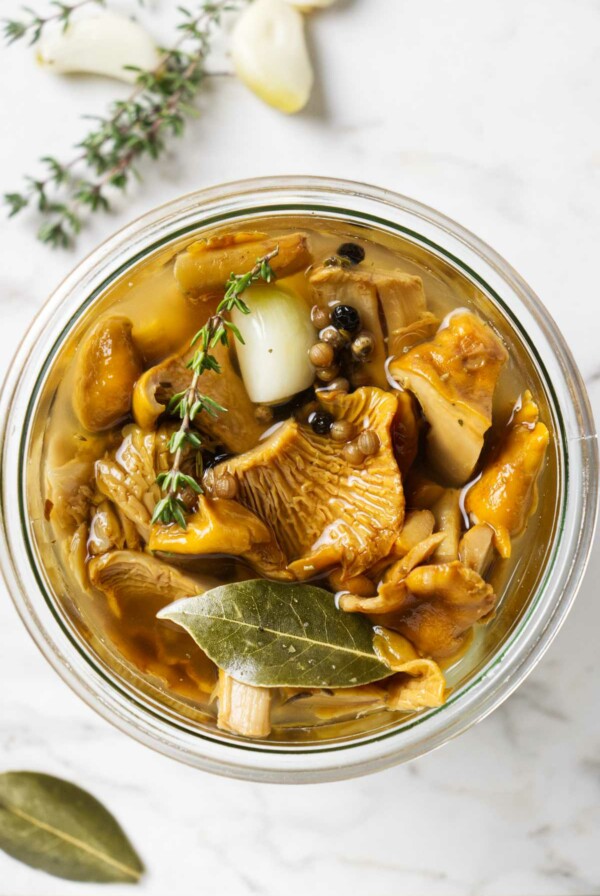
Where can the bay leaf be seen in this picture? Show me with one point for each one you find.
(57, 827)
(277, 635)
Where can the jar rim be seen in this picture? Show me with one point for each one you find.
(574, 534)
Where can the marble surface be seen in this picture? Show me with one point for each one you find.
(489, 112)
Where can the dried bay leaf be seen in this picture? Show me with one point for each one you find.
(57, 827)
(277, 635)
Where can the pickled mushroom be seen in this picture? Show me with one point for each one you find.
(237, 430)
(127, 477)
(243, 709)
(107, 368)
(206, 265)
(324, 511)
(441, 604)
(224, 527)
(391, 593)
(476, 548)
(506, 494)
(130, 575)
(136, 586)
(454, 377)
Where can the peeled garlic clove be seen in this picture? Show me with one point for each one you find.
(277, 335)
(309, 5)
(100, 45)
(270, 56)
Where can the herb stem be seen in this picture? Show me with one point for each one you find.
(189, 403)
(135, 127)
(33, 27)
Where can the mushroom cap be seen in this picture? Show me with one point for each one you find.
(107, 367)
(324, 511)
(454, 378)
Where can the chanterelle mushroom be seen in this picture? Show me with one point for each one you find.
(243, 709)
(224, 527)
(506, 494)
(454, 377)
(108, 365)
(237, 430)
(128, 475)
(324, 511)
(399, 296)
(441, 603)
(138, 585)
(206, 265)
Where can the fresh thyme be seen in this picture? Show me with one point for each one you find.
(32, 26)
(133, 128)
(191, 402)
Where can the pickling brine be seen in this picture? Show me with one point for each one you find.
(346, 459)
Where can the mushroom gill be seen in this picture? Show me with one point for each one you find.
(324, 511)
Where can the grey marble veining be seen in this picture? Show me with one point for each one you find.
(488, 112)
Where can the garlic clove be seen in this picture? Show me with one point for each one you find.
(278, 335)
(270, 55)
(309, 5)
(100, 45)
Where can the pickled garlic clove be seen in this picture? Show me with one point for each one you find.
(277, 337)
(100, 45)
(270, 55)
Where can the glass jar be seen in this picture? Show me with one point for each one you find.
(347, 750)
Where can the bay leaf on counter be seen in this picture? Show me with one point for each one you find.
(57, 827)
(278, 635)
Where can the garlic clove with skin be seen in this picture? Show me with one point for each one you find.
(100, 45)
(270, 56)
(278, 335)
(309, 5)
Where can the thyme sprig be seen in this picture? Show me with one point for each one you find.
(134, 128)
(191, 402)
(32, 25)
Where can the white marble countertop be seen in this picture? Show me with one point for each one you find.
(489, 112)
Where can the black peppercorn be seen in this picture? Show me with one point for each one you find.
(352, 251)
(345, 317)
(321, 422)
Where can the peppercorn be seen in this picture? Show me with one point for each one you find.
(363, 345)
(322, 354)
(225, 486)
(352, 251)
(368, 442)
(319, 316)
(342, 431)
(352, 453)
(321, 422)
(327, 374)
(333, 337)
(345, 317)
